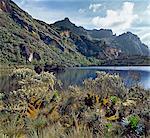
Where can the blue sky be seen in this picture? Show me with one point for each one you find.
(118, 15)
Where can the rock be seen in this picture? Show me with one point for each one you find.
(36, 56)
(38, 69)
(30, 57)
(47, 40)
(53, 68)
(20, 20)
(57, 45)
(24, 51)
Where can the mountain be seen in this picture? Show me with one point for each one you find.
(128, 43)
(25, 40)
(95, 34)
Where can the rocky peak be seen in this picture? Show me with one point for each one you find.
(65, 33)
(67, 19)
(129, 35)
(102, 33)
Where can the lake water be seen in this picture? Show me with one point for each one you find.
(75, 76)
(130, 75)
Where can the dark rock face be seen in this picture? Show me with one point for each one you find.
(97, 34)
(47, 40)
(38, 69)
(53, 68)
(102, 33)
(130, 44)
(19, 20)
(24, 51)
(58, 45)
(36, 56)
(90, 42)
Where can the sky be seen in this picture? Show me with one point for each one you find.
(119, 15)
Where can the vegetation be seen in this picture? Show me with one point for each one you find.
(103, 107)
(63, 43)
(17, 29)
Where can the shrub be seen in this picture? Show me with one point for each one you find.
(22, 73)
(133, 121)
(106, 85)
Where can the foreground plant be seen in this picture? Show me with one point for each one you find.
(104, 107)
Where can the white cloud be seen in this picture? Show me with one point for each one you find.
(95, 7)
(81, 10)
(144, 34)
(117, 20)
(148, 10)
(143, 28)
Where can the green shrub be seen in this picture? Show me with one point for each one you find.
(113, 99)
(133, 121)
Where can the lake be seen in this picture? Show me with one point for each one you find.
(130, 75)
(75, 76)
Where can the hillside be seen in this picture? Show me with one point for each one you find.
(22, 37)
(25, 40)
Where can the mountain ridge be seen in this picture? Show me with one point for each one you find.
(97, 34)
(25, 40)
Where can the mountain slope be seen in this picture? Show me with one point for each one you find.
(24, 40)
(21, 36)
(128, 43)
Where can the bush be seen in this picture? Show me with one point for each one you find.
(22, 73)
(133, 121)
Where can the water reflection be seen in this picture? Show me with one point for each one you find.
(75, 76)
(130, 76)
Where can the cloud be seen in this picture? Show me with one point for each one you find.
(95, 7)
(144, 33)
(82, 10)
(117, 20)
(142, 28)
(148, 10)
